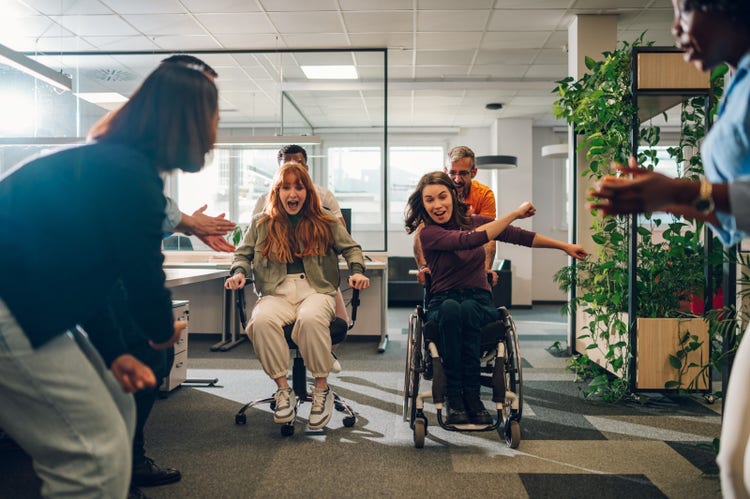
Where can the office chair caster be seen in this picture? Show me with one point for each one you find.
(240, 419)
(349, 421)
(287, 430)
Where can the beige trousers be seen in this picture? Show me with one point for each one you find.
(293, 301)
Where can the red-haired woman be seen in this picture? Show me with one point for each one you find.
(292, 249)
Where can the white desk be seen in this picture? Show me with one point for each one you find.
(202, 282)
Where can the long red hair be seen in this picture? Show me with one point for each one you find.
(312, 235)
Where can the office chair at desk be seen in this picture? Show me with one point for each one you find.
(338, 329)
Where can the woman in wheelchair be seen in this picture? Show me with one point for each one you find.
(292, 250)
(461, 299)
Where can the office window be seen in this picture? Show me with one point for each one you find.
(407, 165)
(231, 182)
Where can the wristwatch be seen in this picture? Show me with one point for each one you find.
(704, 203)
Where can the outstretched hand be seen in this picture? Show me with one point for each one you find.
(645, 192)
(576, 251)
(203, 225)
(217, 243)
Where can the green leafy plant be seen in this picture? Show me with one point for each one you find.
(669, 269)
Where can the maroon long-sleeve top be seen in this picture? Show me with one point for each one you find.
(456, 257)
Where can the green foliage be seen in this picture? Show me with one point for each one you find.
(669, 269)
(235, 237)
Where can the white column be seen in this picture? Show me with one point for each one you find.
(587, 36)
(514, 137)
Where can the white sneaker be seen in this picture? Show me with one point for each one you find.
(336, 367)
(285, 405)
(322, 407)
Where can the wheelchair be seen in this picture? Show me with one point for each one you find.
(500, 370)
(338, 329)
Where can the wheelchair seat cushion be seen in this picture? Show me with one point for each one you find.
(338, 329)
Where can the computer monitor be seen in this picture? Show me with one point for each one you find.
(347, 214)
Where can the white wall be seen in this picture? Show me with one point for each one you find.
(537, 179)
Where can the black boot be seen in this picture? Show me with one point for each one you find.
(475, 409)
(149, 474)
(455, 412)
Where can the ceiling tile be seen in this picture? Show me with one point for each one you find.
(509, 56)
(551, 56)
(135, 42)
(470, 20)
(52, 44)
(448, 40)
(306, 22)
(185, 42)
(241, 22)
(145, 6)
(376, 22)
(525, 20)
(454, 5)
(499, 70)
(296, 5)
(316, 40)
(68, 7)
(165, 24)
(370, 5)
(220, 6)
(19, 27)
(515, 39)
(444, 57)
(386, 40)
(258, 41)
(103, 25)
(554, 71)
(610, 4)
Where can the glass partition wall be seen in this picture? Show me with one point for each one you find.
(331, 102)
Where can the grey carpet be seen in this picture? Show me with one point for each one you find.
(570, 447)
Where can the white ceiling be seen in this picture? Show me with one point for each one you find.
(446, 58)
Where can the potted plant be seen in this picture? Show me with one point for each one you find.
(669, 255)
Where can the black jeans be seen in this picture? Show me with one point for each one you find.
(460, 315)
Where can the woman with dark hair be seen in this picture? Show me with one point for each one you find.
(291, 249)
(710, 32)
(62, 257)
(461, 298)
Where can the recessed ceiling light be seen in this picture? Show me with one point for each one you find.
(342, 72)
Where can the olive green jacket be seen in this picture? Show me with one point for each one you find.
(321, 271)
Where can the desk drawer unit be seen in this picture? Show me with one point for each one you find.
(178, 373)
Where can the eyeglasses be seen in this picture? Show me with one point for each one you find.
(464, 173)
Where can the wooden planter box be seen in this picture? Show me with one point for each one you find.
(656, 340)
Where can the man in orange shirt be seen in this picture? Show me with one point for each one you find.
(479, 197)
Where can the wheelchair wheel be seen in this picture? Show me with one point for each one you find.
(413, 367)
(420, 431)
(514, 372)
(512, 434)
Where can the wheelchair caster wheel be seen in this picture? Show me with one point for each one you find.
(287, 430)
(349, 421)
(513, 434)
(710, 399)
(240, 419)
(420, 430)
